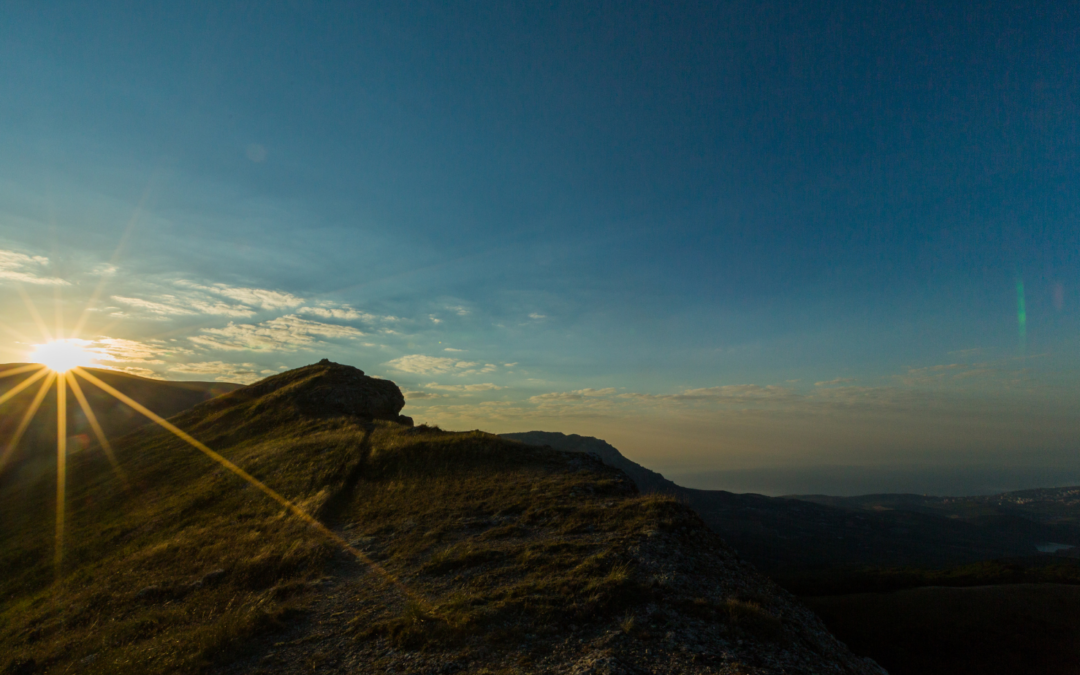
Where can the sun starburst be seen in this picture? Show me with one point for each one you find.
(60, 362)
(62, 355)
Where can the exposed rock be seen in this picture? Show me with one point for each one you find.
(328, 389)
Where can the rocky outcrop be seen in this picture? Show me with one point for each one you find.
(337, 389)
(327, 389)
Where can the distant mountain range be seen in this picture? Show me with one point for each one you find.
(797, 535)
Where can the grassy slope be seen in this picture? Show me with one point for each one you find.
(34, 454)
(996, 630)
(487, 540)
(129, 585)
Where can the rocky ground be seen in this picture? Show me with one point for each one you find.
(700, 609)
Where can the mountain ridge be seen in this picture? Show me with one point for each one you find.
(787, 536)
(433, 552)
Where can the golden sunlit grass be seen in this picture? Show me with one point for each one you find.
(163, 563)
(59, 361)
(502, 540)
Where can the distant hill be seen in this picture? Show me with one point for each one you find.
(796, 536)
(419, 551)
(1051, 506)
(38, 445)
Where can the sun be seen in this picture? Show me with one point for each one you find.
(59, 365)
(62, 355)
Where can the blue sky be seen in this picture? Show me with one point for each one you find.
(721, 238)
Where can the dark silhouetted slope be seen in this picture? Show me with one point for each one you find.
(1032, 629)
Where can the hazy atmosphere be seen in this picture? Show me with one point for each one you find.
(807, 247)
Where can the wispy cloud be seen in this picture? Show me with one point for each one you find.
(729, 392)
(419, 364)
(932, 375)
(26, 269)
(411, 395)
(255, 297)
(463, 388)
(201, 300)
(578, 395)
(966, 353)
(120, 350)
(167, 305)
(242, 373)
(839, 380)
(160, 308)
(285, 333)
(344, 313)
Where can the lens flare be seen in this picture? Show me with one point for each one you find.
(58, 362)
(62, 355)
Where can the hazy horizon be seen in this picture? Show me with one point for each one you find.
(727, 240)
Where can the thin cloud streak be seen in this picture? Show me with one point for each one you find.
(286, 333)
(26, 269)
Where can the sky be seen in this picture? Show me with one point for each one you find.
(739, 237)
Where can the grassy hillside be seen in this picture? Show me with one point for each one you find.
(38, 445)
(430, 552)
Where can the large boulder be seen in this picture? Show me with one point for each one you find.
(328, 389)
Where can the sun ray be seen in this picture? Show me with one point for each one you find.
(98, 431)
(58, 310)
(29, 415)
(35, 315)
(14, 391)
(255, 482)
(136, 214)
(18, 371)
(18, 335)
(61, 468)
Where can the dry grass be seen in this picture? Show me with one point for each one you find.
(493, 539)
(178, 571)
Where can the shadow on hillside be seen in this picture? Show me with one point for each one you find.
(987, 630)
